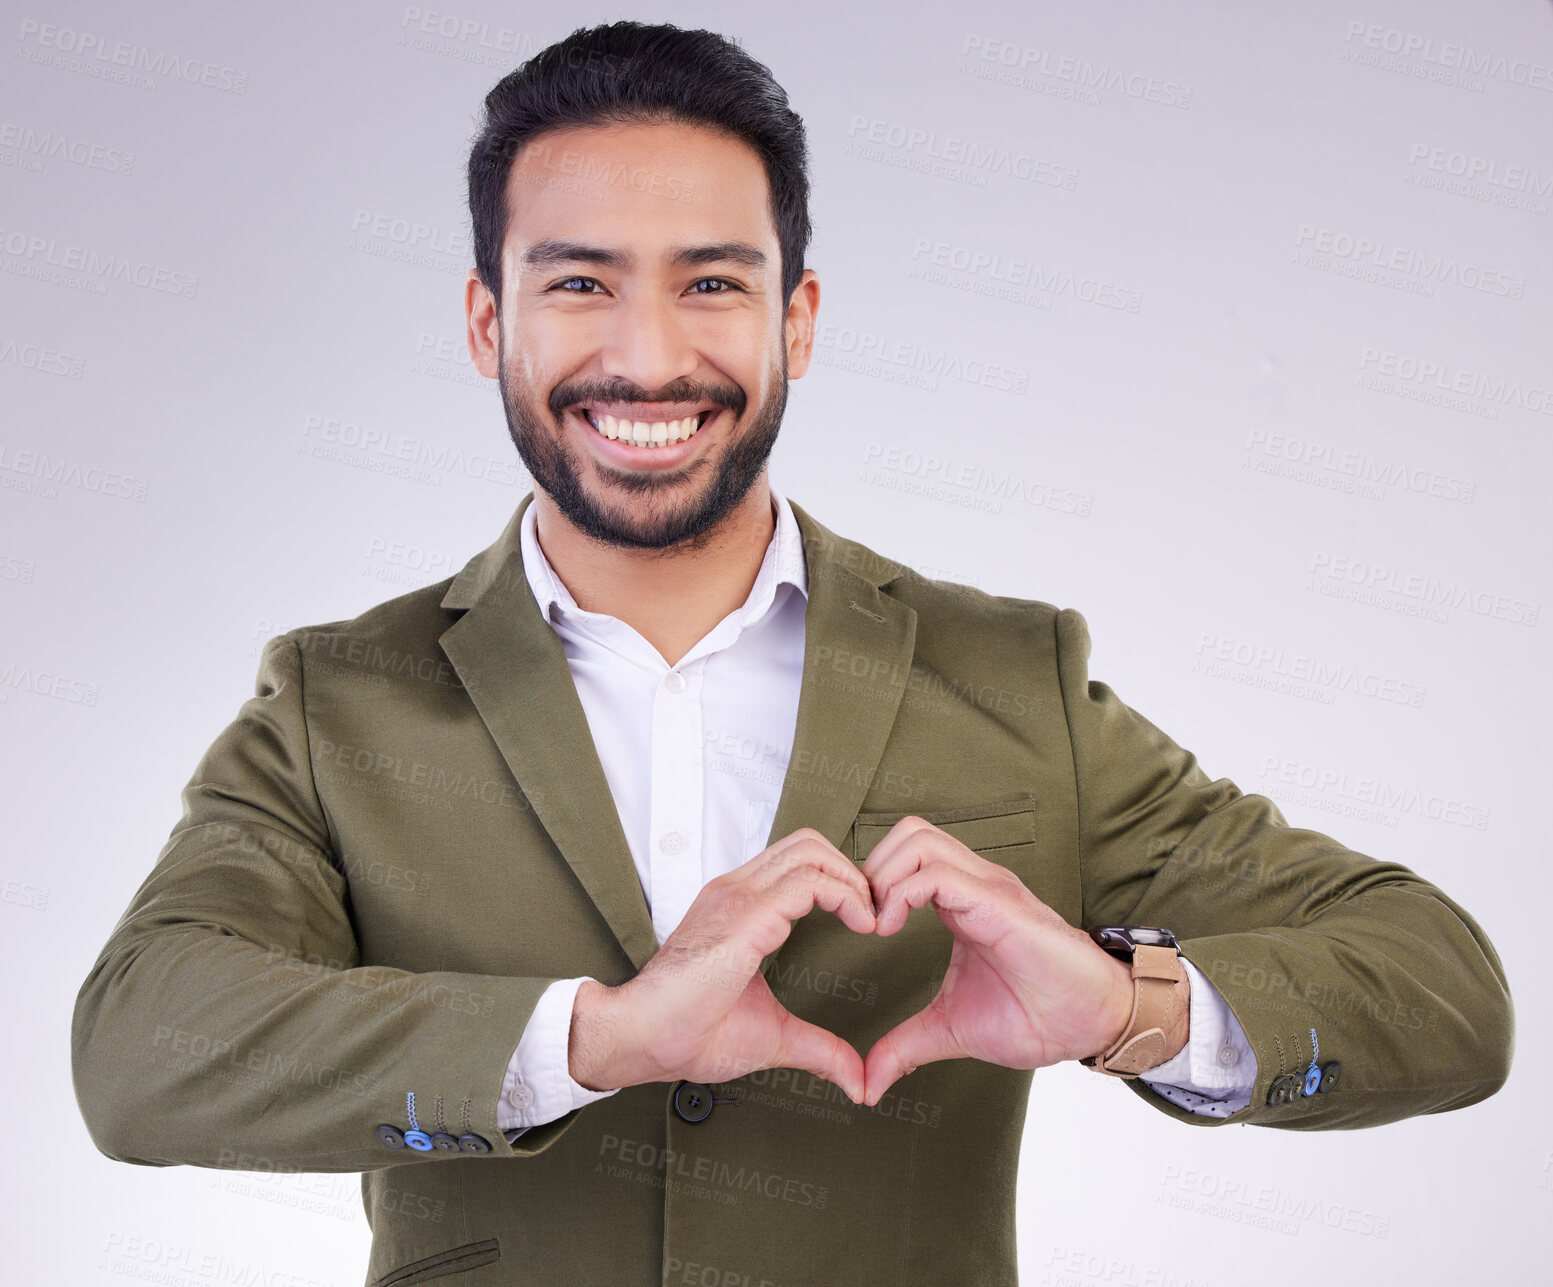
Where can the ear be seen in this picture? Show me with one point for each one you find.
(801, 312)
(484, 336)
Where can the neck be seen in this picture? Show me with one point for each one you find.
(671, 597)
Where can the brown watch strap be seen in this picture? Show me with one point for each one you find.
(1156, 992)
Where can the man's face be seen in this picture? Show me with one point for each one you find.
(641, 299)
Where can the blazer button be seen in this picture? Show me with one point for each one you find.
(444, 1143)
(473, 1144)
(418, 1140)
(1312, 1081)
(1331, 1074)
(692, 1101)
(389, 1136)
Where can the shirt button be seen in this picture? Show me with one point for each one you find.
(1228, 1056)
(520, 1096)
(671, 842)
(674, 682)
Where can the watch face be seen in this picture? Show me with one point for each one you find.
(1119, 940)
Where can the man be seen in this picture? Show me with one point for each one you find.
(684, 892)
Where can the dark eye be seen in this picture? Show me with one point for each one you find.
(570, 281)
(725, 286)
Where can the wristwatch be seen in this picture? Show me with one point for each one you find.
(1156, 993)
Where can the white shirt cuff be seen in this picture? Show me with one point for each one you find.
(539, 1086)
(1214, 1072)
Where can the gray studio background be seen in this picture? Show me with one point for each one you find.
(1240, 346)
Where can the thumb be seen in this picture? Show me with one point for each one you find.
(803, 1045)
(922, 1039)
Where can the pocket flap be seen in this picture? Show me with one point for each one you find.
(981, 827)
(455, 1260)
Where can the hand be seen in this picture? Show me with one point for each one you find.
(701, 1009)
(1024, 989)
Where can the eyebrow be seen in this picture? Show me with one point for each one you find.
(554, 251)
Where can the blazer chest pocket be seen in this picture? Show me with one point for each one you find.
(985, 828)
(1007, 832)
(453, 1261)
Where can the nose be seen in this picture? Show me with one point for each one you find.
(648, 343)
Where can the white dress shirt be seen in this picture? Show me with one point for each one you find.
(695, 755)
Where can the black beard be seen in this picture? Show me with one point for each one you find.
(554, 466)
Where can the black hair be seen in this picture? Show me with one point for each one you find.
(630, 72)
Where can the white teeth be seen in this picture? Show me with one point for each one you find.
(644, 433)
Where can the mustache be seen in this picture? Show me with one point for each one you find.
(573, 392)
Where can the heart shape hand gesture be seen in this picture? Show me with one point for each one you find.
(1024, 989)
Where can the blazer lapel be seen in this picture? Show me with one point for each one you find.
(514, 668)
(858, 646)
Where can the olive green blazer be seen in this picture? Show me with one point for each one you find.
(406, 834)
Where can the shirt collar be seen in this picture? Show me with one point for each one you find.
(783, 564)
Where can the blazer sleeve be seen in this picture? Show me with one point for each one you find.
(1400, 985)
(228, 1021)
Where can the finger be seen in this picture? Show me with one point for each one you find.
(924, 1038)
(813, 1049)
(763, 919)
(798, 892)
(906, 848)
(899, 838)
(806, 845)
(805, 838)
(814, 864)
(974, 908)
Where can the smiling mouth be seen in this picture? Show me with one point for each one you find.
(648, 433)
